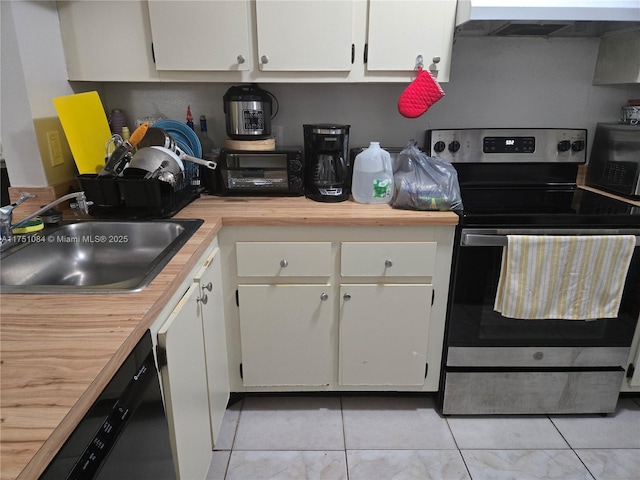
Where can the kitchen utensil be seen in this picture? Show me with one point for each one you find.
(184, 156)
(150, 159)
(184, 136)
(117, 161)
(248, 112)
(157, 137)
(157, 171)
(85, 125)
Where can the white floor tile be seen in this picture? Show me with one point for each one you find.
(406, 465)
(525, 465)
(506, 433)
(404, 423)
(287, 465)
(617, 430)
(612, 464)
(290, 423)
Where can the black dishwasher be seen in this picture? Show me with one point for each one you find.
(124, 435)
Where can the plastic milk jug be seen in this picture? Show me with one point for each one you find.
(372, 175)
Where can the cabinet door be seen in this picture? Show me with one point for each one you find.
(285, 334)
(310, 35)
(107, 41)
(215, 339)
(384, 332)
(184, 380)
(400, 30)
(208, 35)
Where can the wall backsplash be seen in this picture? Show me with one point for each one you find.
(495, 82)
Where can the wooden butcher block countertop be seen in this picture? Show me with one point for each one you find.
(59, 351)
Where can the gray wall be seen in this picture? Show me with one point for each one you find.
(495, 82)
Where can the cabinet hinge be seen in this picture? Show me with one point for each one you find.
(426, 370)
(366, 52)
(353, 53)
(241, 372)
(237, 298)
(161, 356)
(433, 297)
(630, 370)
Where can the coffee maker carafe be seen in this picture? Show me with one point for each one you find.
(326, 149)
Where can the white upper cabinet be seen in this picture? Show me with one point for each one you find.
(401, 30)
(200, 35)
(256, 40)
(313, 35)
(107, 41)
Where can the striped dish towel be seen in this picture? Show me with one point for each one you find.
(563, 277)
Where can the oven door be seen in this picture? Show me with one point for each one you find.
(474, 323)
(500, 365)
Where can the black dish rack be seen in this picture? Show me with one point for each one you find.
(132, 197)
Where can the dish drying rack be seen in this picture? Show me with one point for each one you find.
(131, 197)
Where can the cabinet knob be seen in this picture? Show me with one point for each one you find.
(388, 263)
(284, 263)
(324, 296)
(208, 286)
(203, 299)
(241, 59)
(264, 59)
(346, 297)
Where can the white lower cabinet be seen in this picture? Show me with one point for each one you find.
(285, 332)
(384, 333)
(194, 370)
(335, 308)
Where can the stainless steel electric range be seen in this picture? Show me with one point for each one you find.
(523, 182)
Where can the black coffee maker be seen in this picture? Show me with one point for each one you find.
(326, 176)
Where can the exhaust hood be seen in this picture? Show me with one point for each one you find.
(559, 18)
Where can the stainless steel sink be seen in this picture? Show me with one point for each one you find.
(92, 256)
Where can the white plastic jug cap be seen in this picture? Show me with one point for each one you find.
(374, 144)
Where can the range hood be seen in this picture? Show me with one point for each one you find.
(560, 18)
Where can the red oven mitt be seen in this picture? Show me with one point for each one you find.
(423, 92)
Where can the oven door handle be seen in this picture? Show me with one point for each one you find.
(498, 238)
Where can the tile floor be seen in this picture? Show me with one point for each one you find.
(386, 437)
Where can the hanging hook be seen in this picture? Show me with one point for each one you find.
(419, 63)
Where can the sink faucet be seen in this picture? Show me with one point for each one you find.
(6, 212)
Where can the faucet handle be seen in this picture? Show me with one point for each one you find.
(81, 204)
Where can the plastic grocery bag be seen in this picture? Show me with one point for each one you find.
(423, 182)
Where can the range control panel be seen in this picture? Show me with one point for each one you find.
(511, 145)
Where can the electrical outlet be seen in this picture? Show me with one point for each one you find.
(55, 149)
(278, 132)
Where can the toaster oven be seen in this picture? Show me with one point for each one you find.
(274, 172)
(614, 164)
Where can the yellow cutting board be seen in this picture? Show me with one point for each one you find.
(86, 128)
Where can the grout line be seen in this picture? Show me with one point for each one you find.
(344, 439)
(571, 447)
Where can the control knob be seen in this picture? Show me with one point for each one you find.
(577, 146)
(454, 146)
(564, 145)
(439, 146)
(295, 165)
